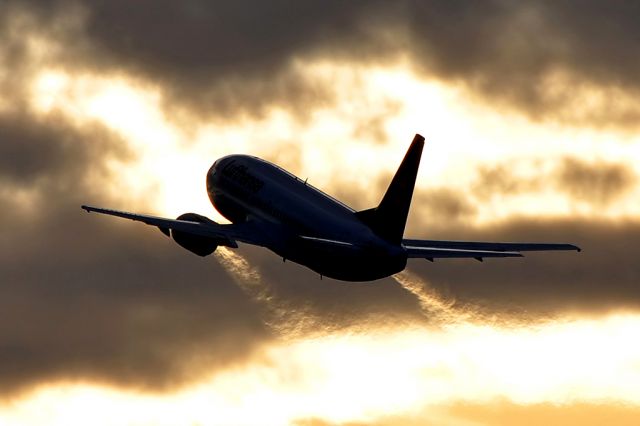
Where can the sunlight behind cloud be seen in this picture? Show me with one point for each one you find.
(163, 174)
(357, 140)
(361, 377)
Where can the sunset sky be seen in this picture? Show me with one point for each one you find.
(531, 117)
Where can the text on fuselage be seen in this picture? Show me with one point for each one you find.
(239, 175)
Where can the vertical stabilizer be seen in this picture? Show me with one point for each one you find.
(390, 217)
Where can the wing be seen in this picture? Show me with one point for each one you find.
(246, 232)
(432, 249)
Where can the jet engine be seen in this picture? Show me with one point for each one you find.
(198, 244)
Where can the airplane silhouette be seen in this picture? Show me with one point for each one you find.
(270, 207)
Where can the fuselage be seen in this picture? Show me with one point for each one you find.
(308, 226)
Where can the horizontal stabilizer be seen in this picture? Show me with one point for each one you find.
(479, 245)
(432, 253)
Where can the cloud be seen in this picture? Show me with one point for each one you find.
(542, 58)
(599, 183)
(501, 179)
(600, 278)
(215, 59)
(36, 149)
(82, 296)
(86, 298)
(441, 204)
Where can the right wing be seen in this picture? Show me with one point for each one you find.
(432, 249)
(245, 232)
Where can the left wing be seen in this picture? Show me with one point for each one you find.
(245, 232)
(432, 249)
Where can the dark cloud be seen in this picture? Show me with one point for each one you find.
(197, 38)
(84, 297)
(501, 179)
(16, 66)
(441, 204)
(372, 127)
(37, 149)
(599, 183)
(221, 58)
(509, 52)
(602, 277)
(216, 58)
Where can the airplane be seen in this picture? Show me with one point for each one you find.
(270, 207)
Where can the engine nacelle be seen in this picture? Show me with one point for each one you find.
(198, 244)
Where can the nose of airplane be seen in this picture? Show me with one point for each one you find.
(214, 171)
(211, 174)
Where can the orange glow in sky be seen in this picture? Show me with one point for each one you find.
(360, 377)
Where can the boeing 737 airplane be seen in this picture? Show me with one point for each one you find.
(269, 207)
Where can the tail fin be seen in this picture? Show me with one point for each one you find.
(390, 217)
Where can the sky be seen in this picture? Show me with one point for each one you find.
(531, 116)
